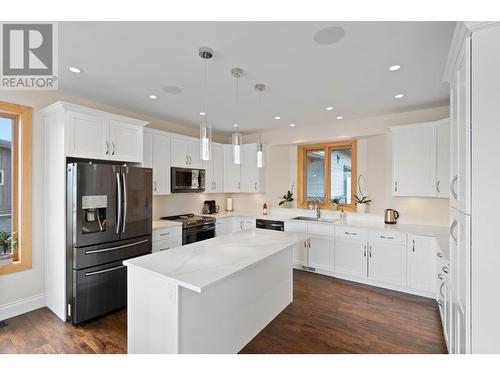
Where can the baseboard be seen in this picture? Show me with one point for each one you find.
(22, 306)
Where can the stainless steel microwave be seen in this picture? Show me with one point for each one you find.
(187, 180)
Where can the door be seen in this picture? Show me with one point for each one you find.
(137, 202)
(179, 156)
(443, 158)
(87, 136)
(125, 141)
(351, 257)
(231, 172)
(92, 191)
(414, 161)
(460, 279)
(249, 179)
(460, 133)
(193, 152)
(320, 253)
(387, 263)
(421, 252)
(161, 165)
(218, 168)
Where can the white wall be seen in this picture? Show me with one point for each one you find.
(374, 162)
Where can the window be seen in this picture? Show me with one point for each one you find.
(325, 172)
(15, 187)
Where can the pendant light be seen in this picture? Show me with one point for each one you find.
(236, 137)
(205, 127)
(259, 87)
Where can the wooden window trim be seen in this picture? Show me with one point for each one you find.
(21, 185)
(327, 147)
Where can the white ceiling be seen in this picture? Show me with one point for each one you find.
(124, 62)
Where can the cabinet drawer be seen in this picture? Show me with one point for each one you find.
(166, 244)
(388, 237)
(167, 233)
(354, 233)
(321, 229)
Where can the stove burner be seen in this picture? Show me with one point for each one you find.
(191, 220)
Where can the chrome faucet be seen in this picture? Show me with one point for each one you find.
(317, 207)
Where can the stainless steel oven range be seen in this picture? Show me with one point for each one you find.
(194, 228)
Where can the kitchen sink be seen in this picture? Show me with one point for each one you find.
(309, 218)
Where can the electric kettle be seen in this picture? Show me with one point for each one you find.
(391, 216)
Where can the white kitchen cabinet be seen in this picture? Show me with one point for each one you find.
(125, 141)
(232, 172)
(387, 263)
(93, 134)
(166, 238)
(443, 158)
(252, 178)
(228, 225)
(248, 223)
(147, 149)
(161, 164)
(414, 160)
(300, 250)
(460, 132)
(320, 253)
(185, 153)
(421, 265)
(87, 136)
(214, 175)
(351, 257)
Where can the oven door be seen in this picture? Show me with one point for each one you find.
(196, 234)
(186, 180)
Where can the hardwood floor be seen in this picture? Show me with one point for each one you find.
(327, 316)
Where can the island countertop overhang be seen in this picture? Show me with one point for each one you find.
(199, 265)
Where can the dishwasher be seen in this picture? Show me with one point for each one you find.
(270, 224)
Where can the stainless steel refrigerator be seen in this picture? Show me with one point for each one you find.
(109, 219)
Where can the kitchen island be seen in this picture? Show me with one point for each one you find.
(212, 296)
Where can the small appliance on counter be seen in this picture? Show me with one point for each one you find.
(391, 216)
(210, 207)
(229, 204)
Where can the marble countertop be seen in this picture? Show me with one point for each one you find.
(158, 224)
(198, 265)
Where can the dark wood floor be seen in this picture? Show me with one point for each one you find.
(327, 316)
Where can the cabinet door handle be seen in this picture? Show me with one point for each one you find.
(413, 246)
(107, 148)
(440, 276)
(255, 186)
(437, 186)
(440, 255)
(309, 243)
(395, 186)
(452, 186)
(370, 250)
(445, 269)
(189, 159)
(452, 230)
(114, 148)
(364, 252)
(156, 185)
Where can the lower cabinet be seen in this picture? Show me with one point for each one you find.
(166, 238)
(242, 223)
(421, 263)
(350, 257)
(387, 263)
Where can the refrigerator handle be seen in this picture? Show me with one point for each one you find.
(119, 209)
(124, 201)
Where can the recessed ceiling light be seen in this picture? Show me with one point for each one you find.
(277, 118)
(74, 69)
(235, 125)
(154, 97)
(329, 108)
(202, 113)
(340, 117)
(292, 125)
(399, 96)
(393, 68)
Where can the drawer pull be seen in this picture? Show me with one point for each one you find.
(164, 234)
(387, 238)
(440, 255)
(351, 233)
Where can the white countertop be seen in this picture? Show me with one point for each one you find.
(201, 264)
(158, 224)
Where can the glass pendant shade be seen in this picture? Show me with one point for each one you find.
(205, 141)
(260, 156)
(237, 142)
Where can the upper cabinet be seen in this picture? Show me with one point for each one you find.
(214, 175)
(232, 172)
(185, 153)
(157, 156)
(245, 177)
(420, 159)
(93, 134)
